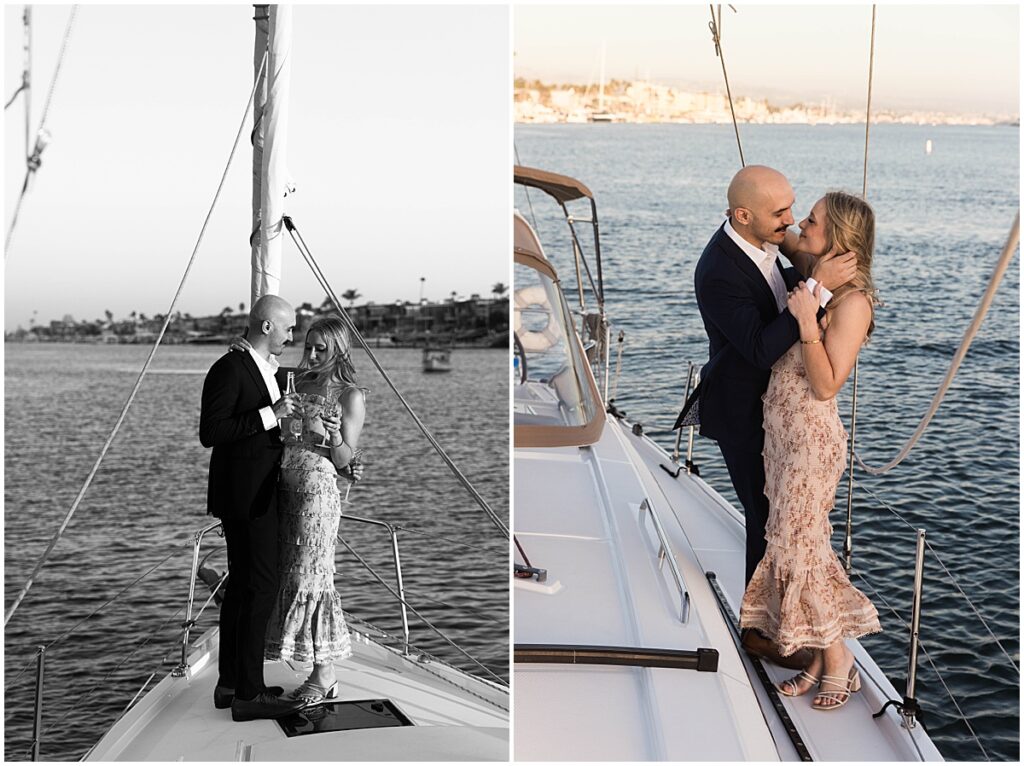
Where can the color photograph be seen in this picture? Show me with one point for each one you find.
(766, 398)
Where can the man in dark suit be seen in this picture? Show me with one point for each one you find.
(741, 292)
(241, 407)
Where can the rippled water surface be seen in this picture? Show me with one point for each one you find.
(150, 494)
(942, 221)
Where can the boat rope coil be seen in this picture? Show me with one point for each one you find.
(138, 383)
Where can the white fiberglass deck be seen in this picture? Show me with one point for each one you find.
(456, 717)
(577, 516)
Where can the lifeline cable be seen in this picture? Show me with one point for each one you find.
(138, 383)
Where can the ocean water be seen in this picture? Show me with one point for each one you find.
(150, 494)
(942, 220)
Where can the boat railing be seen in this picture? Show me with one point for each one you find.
(393, 534)
(182, 668)
(665, 553)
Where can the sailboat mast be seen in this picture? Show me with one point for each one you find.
(270, 183)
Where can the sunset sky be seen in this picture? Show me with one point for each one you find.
(953, 58)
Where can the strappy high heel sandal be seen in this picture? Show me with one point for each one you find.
(313, 693)
(789, 686)
(837, 697)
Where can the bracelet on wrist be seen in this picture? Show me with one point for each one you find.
(808, 342)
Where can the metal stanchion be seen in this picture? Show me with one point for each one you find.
(910, 708)
(37, 724)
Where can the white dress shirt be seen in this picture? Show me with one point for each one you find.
(267, 370)
(764, 258)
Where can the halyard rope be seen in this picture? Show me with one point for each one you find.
(138, 383)
(315, 268)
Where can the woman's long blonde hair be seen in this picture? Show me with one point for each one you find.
(336, 368)
(850, 226)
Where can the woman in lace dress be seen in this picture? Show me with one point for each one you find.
(800, 595)
(307, 624)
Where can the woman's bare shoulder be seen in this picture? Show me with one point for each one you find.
(853, 309)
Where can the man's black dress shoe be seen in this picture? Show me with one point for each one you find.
(263, 705)
(222, 695)
(763, 648)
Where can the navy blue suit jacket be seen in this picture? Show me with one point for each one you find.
(746, 335)
(246, 459)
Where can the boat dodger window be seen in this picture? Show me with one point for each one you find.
(556, 402)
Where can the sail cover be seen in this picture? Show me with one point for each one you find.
(270, 173)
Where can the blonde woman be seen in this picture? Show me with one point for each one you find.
(800, 595)
(307, 624)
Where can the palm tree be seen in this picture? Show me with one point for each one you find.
(499, 289)
(350, 296)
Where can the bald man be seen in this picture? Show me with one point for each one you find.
(241, 407)
(741, 291)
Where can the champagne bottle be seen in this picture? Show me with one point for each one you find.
(294, 423)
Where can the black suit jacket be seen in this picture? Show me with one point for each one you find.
(246, 459)
(746, 335)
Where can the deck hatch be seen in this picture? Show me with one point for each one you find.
(702, 659)
(346, 715)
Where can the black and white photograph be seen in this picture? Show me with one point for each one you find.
(256, 382)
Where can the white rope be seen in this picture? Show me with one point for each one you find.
(138, 383)
(972, 330)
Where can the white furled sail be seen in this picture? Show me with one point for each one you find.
(270, 173)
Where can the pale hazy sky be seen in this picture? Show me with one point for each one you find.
(958, 58)
(399, 147)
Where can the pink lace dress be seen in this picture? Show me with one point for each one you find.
(307, 623)
(800, 595)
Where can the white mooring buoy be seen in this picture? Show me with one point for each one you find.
(928, 146)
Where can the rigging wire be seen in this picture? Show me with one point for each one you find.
(412, 609)
(1013, 239)
(138, 383)
(98, 609)
(42, 137)
(533, 216)
(716, 37)
(308, 256)
(928, 657)
(949, 574)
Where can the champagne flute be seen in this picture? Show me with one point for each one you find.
(331, 409)
(357, 459)
(295, 425)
